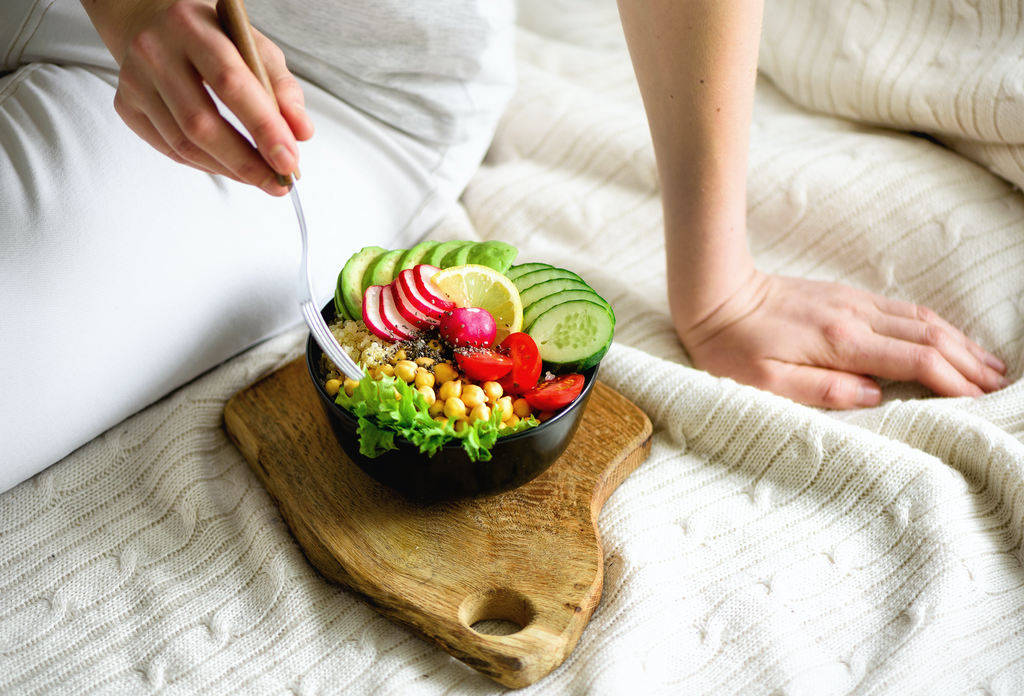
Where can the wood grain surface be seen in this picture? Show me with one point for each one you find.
(531, 556)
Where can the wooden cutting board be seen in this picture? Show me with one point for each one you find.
(531, 556)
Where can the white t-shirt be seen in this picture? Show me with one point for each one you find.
(422, 67)
(415, 65)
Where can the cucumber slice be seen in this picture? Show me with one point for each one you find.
(457, 255)
(550, 287)
(573, 336)
(493, 254)
(351, 278)
(528, 280)
(415, 255)
(437, 253)
(524, 268)
(542, 305)
(382, 272)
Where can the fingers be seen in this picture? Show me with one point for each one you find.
(160, 137)
(290, 99)
(951, 345)
(817, 386)
(218, 63)
(903, 361)
(914, 312)
(162, 97)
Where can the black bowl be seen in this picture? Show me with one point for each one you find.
(450, 474)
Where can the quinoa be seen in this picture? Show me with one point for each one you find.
(360, 345)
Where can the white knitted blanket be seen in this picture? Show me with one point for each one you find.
(764, 547)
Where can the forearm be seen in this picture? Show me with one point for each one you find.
(696, 64)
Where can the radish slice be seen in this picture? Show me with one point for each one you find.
(407, 281)
(371, 314)
(392, 318)
(408, 309)
(434, 295)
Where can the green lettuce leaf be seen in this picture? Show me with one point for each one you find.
(389, 407)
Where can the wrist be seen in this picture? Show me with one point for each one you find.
(119, 21)
(704, 270)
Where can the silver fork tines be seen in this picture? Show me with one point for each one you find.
(317, 326)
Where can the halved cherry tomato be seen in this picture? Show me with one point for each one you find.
(526, 363)
(553, 394)
(484, 365)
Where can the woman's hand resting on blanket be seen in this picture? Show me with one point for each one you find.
(814, 342)
(167, 51)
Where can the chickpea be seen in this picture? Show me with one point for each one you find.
(424, 378)
(450, 389)
(385, 369)
(479, 412)
(504, 404)
(493, 391)
(521, 407)
(454, 408)
(545, 415)
(424, 361)
(443, 372)
(436, 408)
(441, 419)
(332, 387)
(428, 394)
(405, 370)
(473, 395)
(398, 356)
(350, 386)
(461, 425)
(512, 421)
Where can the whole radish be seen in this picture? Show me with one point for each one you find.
(468, 326)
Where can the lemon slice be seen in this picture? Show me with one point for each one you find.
(472, 285)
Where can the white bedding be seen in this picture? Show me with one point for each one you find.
(763, 548)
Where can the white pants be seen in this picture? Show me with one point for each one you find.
(124, 275)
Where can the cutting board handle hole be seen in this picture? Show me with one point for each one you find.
(496, 612)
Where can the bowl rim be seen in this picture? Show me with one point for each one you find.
(312, 367)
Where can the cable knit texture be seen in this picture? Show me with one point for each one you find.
(764, 547)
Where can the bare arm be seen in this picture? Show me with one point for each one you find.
(696, 63)
(167, 50)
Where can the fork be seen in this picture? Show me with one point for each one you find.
(235, 20)
(314, 320)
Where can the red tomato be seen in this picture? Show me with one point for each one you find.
(553, 394)
(526, 363)
(484, 365)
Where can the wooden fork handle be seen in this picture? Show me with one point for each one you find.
(235, 21)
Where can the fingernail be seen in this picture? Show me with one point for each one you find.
(271, 186)
(281, 159)
(1003, 383)
(868, 394)
(995, 363)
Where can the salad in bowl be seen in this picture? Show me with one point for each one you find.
(476, 370)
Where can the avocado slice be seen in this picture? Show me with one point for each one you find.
(493, 254)
(352, 278)
(415, 255)
(340, 310)
(438, 252)
(457, 256)
(382, 271)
